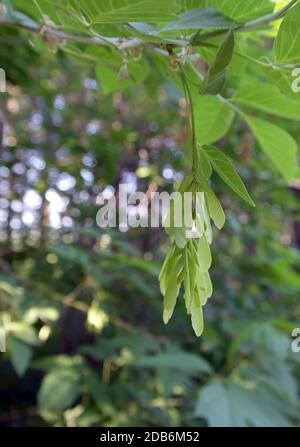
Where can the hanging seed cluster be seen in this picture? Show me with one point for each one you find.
(189, 258)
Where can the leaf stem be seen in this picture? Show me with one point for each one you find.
(189, 100)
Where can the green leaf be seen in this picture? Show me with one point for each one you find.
(279, 146)
(213, 118)
(229, 404)
(199, 18)
(44, 313)
(60, 389)
(204, 255)
(224, 167)
(215, 210)
(169, 283)
(20, 355)
(207, 284)
(283, 79)
(197, 316)
(287, 43)
(171, 295)
(192, 257)
(215, 80)
(24, 333)
(180, 237)
(57, 11)
(267, 97)
(187, 282)
(238, 10)
(122, 11)
(179, 360)
(204, 165)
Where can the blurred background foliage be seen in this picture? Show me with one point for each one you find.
(81, 306)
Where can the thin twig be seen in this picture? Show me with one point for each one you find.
(189, 100)
(105, 42)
